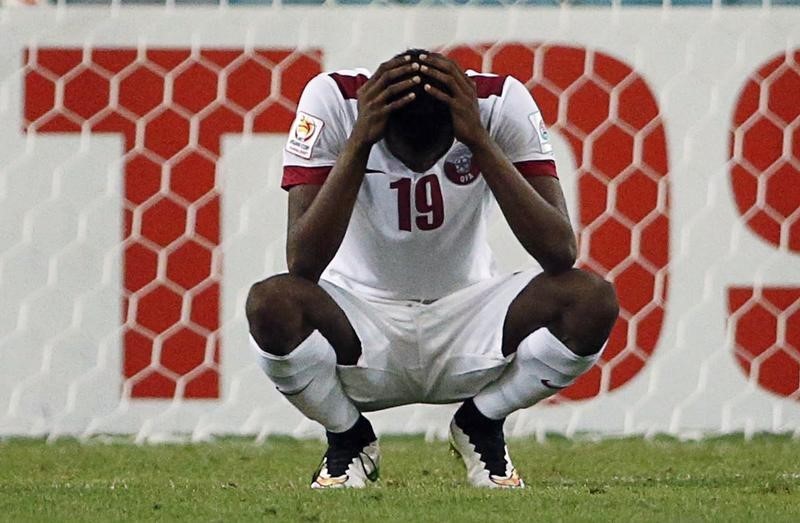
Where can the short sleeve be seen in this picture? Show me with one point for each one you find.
(316, 136)
(520, 131)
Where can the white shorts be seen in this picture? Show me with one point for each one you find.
(440, 352)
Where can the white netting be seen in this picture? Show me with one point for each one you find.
(139, 199)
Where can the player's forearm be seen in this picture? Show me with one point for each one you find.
(542, 229)
(314, 239)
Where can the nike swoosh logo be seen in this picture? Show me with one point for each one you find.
(372, 474)
(549, 385)
(296, 392)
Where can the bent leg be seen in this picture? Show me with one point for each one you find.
(284, 310)
(301, 334)
(557, 326)
(578, 307)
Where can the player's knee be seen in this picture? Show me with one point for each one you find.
(599, 299)
(594, 311)
(274, 313)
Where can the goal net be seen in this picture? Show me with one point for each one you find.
(140, 152)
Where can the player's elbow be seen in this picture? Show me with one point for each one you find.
(560, 258)
(557, 263)
(302, 267)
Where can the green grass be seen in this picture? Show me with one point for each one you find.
(724, 479)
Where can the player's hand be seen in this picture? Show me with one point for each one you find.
(378, 97)
(462, 99)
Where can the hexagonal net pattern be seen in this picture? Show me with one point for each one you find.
(171, 107)
(765, 152)
(140, 198)
(765, 177)
(610, 119)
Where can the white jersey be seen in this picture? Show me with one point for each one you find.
(414, 235)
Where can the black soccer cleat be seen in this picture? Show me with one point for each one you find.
(480, 443)
(352, 459)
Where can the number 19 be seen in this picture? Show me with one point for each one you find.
(427, 200)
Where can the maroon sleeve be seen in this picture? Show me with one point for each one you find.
(297, 175)
(532, 168)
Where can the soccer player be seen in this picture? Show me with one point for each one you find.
(392, 296)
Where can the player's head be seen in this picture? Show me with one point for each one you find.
(420, 132)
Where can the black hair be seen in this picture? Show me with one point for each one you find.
(422, 122)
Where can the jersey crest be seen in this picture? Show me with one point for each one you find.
(458, 166)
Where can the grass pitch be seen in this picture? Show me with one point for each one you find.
(724, 479)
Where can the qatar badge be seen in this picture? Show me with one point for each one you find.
(458, 166)
(304, 134)
(541, 132)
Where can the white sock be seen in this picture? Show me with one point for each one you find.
(542, 366)
(307, 378)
